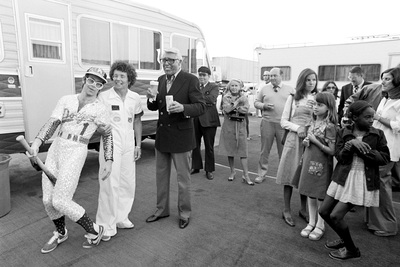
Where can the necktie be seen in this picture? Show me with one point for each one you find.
(355, 89)
(276, 88)
(170, 80)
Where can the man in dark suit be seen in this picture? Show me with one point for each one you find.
(206, 125)
(356, 77)
(175, 137)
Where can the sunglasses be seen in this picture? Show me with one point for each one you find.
(98, 85)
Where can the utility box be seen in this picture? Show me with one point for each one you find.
(5, 200)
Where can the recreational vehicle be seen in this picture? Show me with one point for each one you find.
(47, 45)
(332, 62)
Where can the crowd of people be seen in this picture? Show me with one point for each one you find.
(344, 146)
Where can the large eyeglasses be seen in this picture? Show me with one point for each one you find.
(98, 85)
(169, 60)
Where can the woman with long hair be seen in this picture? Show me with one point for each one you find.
(298, 108)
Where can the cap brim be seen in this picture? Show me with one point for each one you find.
(97, 75)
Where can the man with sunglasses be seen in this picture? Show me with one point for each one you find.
(205, 126)
(175, 137)
(77, 117)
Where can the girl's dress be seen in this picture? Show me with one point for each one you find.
(355, 190)
(233, 137)
(317, 166)
(293, 148)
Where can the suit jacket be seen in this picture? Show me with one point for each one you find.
(210, 117)
(347, 91)
(175, 131)
(372, 93)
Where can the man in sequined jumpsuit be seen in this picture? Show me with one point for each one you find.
(78, 116)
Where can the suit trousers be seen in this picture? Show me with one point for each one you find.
(208, 135)
(163, 174)
(383, 218)
(270, 131)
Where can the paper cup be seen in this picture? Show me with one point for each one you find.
(154, 87)
(169, 99)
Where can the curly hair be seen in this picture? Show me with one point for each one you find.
(124, 66)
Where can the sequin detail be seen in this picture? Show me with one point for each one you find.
(65, 158)
(48, 129)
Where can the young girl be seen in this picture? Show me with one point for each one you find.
(317, 162)
(233, 137)
(360, 150)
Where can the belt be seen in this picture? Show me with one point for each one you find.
(73, 137)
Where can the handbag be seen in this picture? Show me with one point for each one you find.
(236, 116)
(286, 130)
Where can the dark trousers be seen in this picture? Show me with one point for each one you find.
(208, 134)
(163, 175)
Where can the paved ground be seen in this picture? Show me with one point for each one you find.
(232, 224)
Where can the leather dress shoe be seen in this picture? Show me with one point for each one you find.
(384, 233)
(154, 218)
(288, 220)
(209, 175)
(183, 223)
(194, 171)
(344, 254)
(335, 244)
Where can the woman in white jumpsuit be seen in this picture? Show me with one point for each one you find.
(118, 192)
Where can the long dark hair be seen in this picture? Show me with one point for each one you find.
(335, 92)
(328, 99)
(301, 84)
(395, 72)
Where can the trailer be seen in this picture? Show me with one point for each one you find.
(333, 61)
(47, 45)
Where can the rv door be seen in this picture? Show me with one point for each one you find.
(46, 63)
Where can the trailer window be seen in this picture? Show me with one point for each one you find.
(285, 69)
(139, 47)
(150, 45)
(46, 38)
(200, 55)
(95, 42)
(1, 44)
(183, 44)
(341, 72)
(192, 50)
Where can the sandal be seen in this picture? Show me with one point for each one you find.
(306, 231)
(316, 234)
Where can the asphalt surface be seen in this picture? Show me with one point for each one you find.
(232, 224)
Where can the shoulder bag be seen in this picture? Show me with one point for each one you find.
(290, 116)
